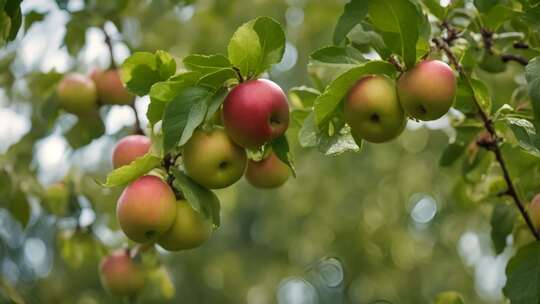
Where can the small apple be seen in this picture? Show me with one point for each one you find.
(121, 275)
(213, 160)
(130, 148)
(146, 209)
(534, 211)
(77, 94)
(270, 172)
(190, 229)
(427, 91)
(372, 109)
(110, 88)
(255, 112)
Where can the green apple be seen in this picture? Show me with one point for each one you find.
(121, 275)
(77, 94)
(270, 172)
(372, 109)
(130, 148)
(213, 160)
(110, 88)
(146, 209)
(428, 90)
(189, 230)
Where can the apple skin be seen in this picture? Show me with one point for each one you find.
(270, 172)
(77, 94)
(130, 148)
(534, 210)
(428, 90)
(255, 112)
(213, 160)
(121, 275)
(372, 109)
(190, 229)
(146, 209)
(110, 88)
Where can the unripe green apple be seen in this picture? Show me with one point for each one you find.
(534, 210)
(130, 148)
(77, 94)
(190, 229)
(255, 112)
(146, 209)
(121, 275)
(270, 172)
(213, 160)
(372, 109)
(428, 90)
(110, 88)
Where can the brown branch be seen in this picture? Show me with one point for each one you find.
(520, 45)
(511, 57)
(495, 139)
(109, 44)
(137, 125)
(395, 63)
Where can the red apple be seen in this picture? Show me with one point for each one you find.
(255, 112)
(130, 148)
(121, 275)
(427, 91)
(110, 88)
(534, 211)
(146, 209)
(270, 172)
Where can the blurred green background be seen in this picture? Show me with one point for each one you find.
(387, 223)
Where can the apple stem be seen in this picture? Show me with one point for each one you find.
(137, 125)
(137, 250)
(238, 74)
(495, 139)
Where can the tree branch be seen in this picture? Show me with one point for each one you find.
(495, 139)
(108, 41)
(137, 125)
(511, 57)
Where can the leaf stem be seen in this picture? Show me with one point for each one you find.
(137, 125)
(495, 147)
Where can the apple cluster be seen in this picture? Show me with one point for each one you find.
(81, 94)
(253, 114)
(376, 107)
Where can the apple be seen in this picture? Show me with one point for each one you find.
(372, 109)
(77, 94)
(212, 159)
(56, 199)
(130, 148)
(255, 112)
(534, 210)
(146, 209)
(121, 275)
(110, 88)
(270, 172)
(428, 90)
(189, 230)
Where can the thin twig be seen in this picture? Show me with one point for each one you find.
(520, 45)
(511, 57)
(395, 63)
(137, 125)
(109, 43)
(495, 148)
(238, 74)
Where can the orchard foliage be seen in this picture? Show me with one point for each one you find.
(214, 117)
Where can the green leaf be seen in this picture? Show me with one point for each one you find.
(523, 282)
(485, 5)
(328, 101)
(451, 153)
(31, 18)
(75, 37)
(128, 173)
(353, 13)
(449, 297)
(435, 8)
(256, 45)
(303, 97)
(496, 16)
(142, 70)
(400, 17)
(206, 64)
(332, 145)
(280, 146)
(480, 92)
(337, 55)
(184, 114)
(13, 10)
(217, 78)
(19, 207)
(532, 74)
(502, 224)
(201, 199)
(526, 135)
(85, 131)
